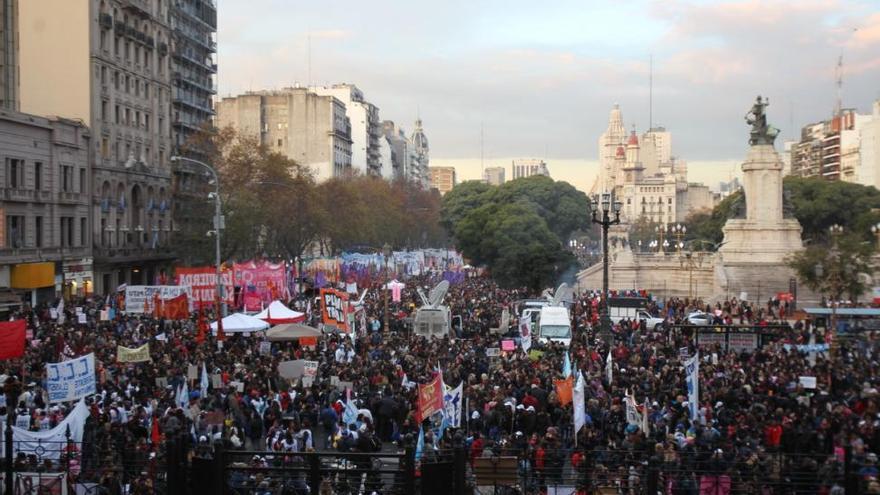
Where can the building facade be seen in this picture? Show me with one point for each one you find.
(494, 176)
(193, 69)
(401, 149)
(643, 173)
(832, 149)
(311, 129)
(443, 179)
(9, 54)
(869, 149)
(421, 161)
(45, 238)
(366, 128)
(114, 58)
(527, 167)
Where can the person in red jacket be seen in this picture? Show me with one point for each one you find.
(772, 435)
(476, 448)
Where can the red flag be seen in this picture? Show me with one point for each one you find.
(155, 436)
(431, 397)
(177, 308)
(157, 305)
(202, 326)
(12, 335)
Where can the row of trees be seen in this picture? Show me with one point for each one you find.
(519, 229)
(274, 208)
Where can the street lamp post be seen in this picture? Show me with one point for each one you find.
(836, 231)
(218, 225)
(386, 252)
(679, 231)
(608, 207)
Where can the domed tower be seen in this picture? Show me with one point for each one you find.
(613, 137)
(420, 144)
(633, 165)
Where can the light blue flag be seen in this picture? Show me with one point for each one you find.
(566, 366)
(420, 444)
(350, 414)
(443, 424)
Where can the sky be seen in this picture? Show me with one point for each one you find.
(539, 78)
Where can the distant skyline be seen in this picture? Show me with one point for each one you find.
(541, 78)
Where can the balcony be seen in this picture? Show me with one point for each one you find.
(19, 195)
(105, 21)
(69, 197)
(35, 254)
(130, 253)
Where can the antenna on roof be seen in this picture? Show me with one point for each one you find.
(838, 72)
(482, 170)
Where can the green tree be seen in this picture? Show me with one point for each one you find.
(835, 272)
(462, 199)
(643, 229)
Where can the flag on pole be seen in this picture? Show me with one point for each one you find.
(431, 397)
(182, 399)
(692, 379)
(202, 326)
(203, 383)
(12, 339)
(420, 444)
(452, 400)
(580, 412)
(350, 414)
(632, 413)
(645, 417)
(566, 366)
(609, 368)
(525, 332)
(564, 390)
(405, 383)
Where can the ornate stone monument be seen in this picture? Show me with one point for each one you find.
(757, 242)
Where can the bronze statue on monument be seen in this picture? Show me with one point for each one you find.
(761, 133)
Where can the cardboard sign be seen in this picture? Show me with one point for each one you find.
(239, 386)
(508, 345)
(81, 318)
(308, 381)
(192, 372)
(105, 315)
(807, 381)
(161, 382)
(265, 348)
(291, 369)
(493, 352)
(137, 355)
(217, 380)
(334, 381)
(341, 385)
(310, 369)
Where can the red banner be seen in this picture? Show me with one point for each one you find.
(177, 308)
(334, 308)
(431, 397)
(12, 339)
(203, 282)
(267, 280)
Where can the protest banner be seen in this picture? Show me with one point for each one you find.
(265, 348)
(139, 298)
(431, 397)
(71, 380)
(807, 381)
(202, 281)
(493, 352)
(310, 369)
(334, 307)
(137, 355)
(508, 345)
(266, 280)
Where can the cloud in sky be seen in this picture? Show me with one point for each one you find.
(540, 77)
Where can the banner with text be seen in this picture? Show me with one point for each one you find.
(334, 306)
(140, 298)
(202, 281)
(71, 380)
(261, 282)
(137, 355)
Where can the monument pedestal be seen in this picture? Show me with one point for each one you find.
(747, 241)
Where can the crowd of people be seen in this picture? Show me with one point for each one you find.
(758, 429)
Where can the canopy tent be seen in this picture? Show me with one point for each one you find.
(277, 313)
(240, 323)
(292, 331)
(392, 284)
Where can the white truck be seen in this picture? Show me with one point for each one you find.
(554, 325)
(632, 308)
(433, 319)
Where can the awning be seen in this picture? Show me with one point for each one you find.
(240, 323)
(32, 275)
(277, 313)
(293, 331)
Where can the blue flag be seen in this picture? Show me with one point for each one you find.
(420, 444)
(566, 366)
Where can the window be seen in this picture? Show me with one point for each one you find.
(127, 51)
(137, 54)
(104, 110)
(137, 118)
(146, 90)
(38, 176)
(103, 40)
(66, 178)
(105, 148)
(127, 83)
(14, 173)
(82, 180)
(66, 231)
(116, 80)
(15, 231)
(669, 201)
(117, 114)
(161, 121)
(103, 73)
(82, 231)
(147, 121)
(161, 158)
(118, 43)
(127, 116)
(280, 142)
(38, 231)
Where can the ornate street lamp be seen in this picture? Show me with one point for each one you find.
(679, 231)
(602, 211)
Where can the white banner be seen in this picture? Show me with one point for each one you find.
(579, 400)
(139, 298)
(525, 332)
(692, 374)
(71, 380)
(452, 400)
(633, 416)
(51, 442)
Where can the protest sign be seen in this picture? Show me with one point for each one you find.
(310, 369)
(493, 352)
(139, 298)
(334, 308)
(265, 347)
(71, 380)
(261, 282)
(192, 372)
(81, 319)
(136, 355)
(508, 345)
(742, 342)
(291, 369)
(535, 354)
(343, 385)
(807, 381)
(216, 381)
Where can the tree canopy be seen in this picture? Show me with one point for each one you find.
(519, 229)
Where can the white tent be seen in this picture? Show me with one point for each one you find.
(240, 323)
(277, 313)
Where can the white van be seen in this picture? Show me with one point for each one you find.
(554, 324)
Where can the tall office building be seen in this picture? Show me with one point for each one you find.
(366, 129)
(527, 167)
(419, 171)
(311, 129)
(9, 54)
(107, 63)
(442, 178)
(494, 176)
(193, 26)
